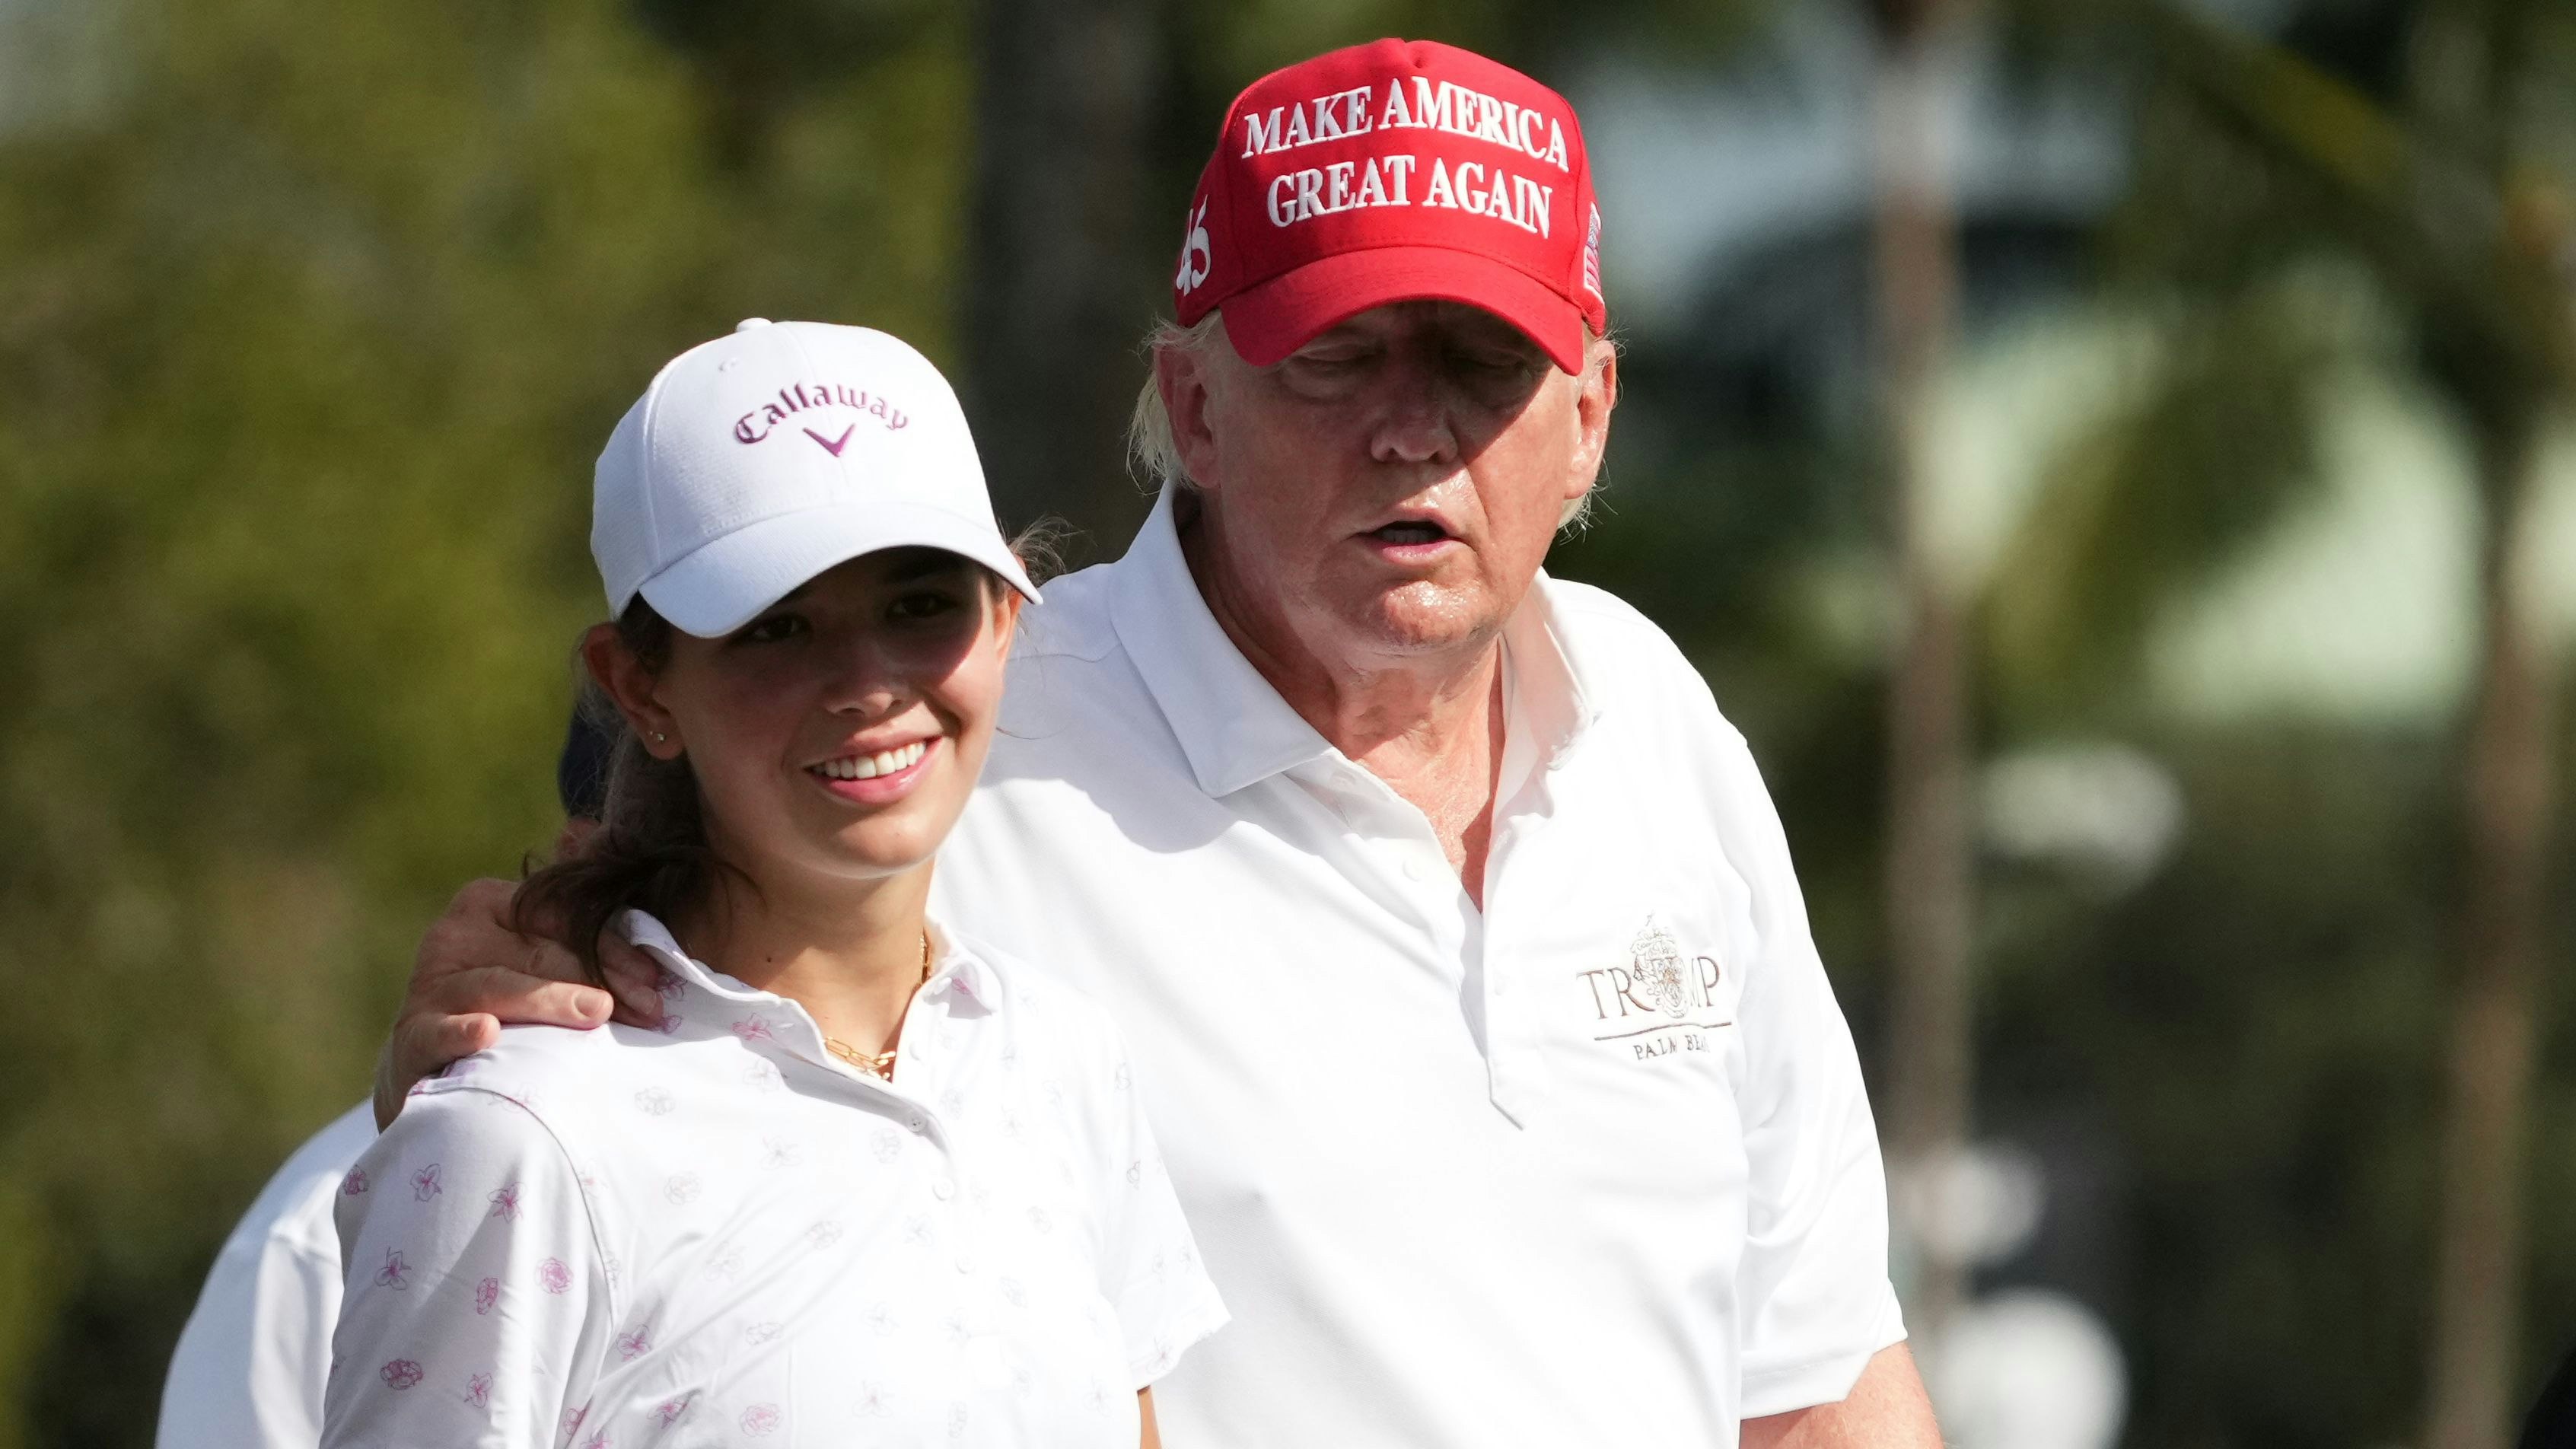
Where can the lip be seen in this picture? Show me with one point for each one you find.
(881, 789)
(1411, 554)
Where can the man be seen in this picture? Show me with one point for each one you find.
(1451, 924)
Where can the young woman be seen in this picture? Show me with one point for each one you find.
(873, 1184)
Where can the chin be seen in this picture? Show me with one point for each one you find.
(1426, 619)
(880, 846)
(877, 859)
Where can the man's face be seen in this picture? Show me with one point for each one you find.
(1391, 488)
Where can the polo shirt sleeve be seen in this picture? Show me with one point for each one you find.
(1817, 1302)
(1151, 1272)
(476, 1298)
(248, 1369)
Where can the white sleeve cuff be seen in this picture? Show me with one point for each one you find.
(1826, 1378)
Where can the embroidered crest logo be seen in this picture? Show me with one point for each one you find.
(1665, 998)
(1655, 965)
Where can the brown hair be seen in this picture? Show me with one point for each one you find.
(650, 852)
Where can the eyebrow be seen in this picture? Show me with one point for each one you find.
(928, 562)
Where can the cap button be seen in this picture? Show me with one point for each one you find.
(748, 323)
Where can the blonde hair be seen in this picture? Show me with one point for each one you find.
(1157, 453)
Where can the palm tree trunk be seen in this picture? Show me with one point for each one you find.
(2509, 788)
(1064, 262)
(1929, 880)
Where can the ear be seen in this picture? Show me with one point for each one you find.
(1182, 376)
(1006, 622)
(1596, 394)
(630, 685)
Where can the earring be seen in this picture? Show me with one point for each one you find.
(660, 738)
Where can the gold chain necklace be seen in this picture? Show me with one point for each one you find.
(879, 1064)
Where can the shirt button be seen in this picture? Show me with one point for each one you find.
(943, 1189)
(1416, 869)
(917, 1122)
(965, 1264)
(1499, 986)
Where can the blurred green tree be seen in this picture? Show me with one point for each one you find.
(2450, 192)
(311, 319)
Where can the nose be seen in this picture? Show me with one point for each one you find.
(864, 683)
(1415, 424)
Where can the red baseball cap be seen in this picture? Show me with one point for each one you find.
(1397, 171)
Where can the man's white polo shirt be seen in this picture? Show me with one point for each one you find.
(248, 1371)
(722, 1235)
(1592, 1166)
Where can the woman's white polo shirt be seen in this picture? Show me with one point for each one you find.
(719, 1234)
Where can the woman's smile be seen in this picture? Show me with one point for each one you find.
(876, 779)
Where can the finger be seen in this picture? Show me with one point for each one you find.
(520, 999)
(634, 977)
(574, 839)
(473, 931)
(549, 959)
(486, 899)
(424, 1045)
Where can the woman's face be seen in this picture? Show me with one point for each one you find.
(839, 734)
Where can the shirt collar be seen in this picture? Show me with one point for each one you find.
(1549, 695)
(1231, 723)
(950, 961)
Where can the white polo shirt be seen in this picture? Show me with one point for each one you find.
(720, 1234)
(248, 1371)
(1590, 1166)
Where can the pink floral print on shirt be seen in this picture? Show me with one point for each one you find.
(396, 1273)
(401, 1373)
(505, 1202)
(762, 1419)
(486, 1293)
(553, 1276)
(424, 1183)
(354, 1184)
(478, 1390)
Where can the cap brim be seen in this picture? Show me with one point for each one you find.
(1271, 319)
(724, 585)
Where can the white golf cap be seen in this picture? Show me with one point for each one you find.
(758, 460)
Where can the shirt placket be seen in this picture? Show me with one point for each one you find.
(1397, 839)
(924, 1053)
(1515, 883)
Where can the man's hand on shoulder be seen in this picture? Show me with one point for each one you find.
(474, 972)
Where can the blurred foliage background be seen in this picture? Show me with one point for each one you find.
(2111, 457)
